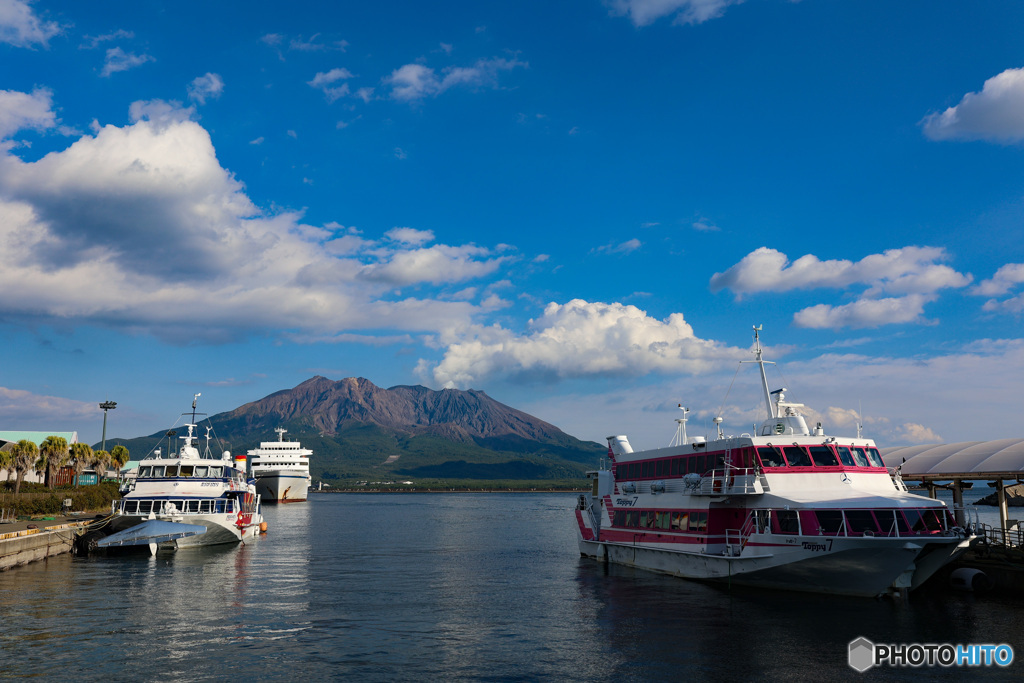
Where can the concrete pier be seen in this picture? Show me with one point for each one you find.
(20, 544)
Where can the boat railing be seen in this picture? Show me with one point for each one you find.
(184, 506)
(1012, 536)
(736, 539)
(730, 481)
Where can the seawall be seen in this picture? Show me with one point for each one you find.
(21, 546)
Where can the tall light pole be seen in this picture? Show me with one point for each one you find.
(105, 406)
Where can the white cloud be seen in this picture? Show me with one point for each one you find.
(410, 236)
(93, 42)
(910, 270)
(20, 27)
(19, 111)
(996, 113)
(864, 313)
(626, 247)
(325, 81)
(917, 434)
(644, 12)
(209, 85)
(579, 339)
(1002, 282)
(119, 60)
(39, 411)
(140, 228)
(413, 82)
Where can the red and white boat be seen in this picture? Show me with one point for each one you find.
(788, 507)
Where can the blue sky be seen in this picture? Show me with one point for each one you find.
(581, 208)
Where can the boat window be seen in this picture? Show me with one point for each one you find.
(131, 507)
(680, 521)
(830, 521)
(797, 456)
(215, 472)
(662, 468)
(172, 470)
(875, 457)
(646, 470)
(762, 521)
(770, 457)
(824, 456)
(787, 521)
(698, 521)
(620, 518)
(145, 471)
(202, 470)
(649, 520)
(846, 456)
(860, 457)
(859, 521)
(633, 518)
(158, 471)
(664, 520)
(145, 507)
(185, 471)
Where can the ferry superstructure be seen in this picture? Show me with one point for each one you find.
(788, 507)
(281, 469)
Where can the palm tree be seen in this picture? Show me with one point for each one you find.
(119, 455)
(7, 461)
(81, 455)
(100, 461)
(25, 453)
(53, 454)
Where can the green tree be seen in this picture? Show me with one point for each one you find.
(100, 462)
(25, 454)
(119, 455)
(7, 462)
(53, 454)
(81, 456)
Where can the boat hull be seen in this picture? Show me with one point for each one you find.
(220, 528)
(855, 567)
(283, 487)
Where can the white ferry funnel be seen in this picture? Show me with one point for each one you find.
(619, 445)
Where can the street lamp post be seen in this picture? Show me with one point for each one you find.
(105, 406)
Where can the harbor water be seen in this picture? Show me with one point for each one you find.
(481, 587)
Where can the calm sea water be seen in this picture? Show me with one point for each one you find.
(482, 587)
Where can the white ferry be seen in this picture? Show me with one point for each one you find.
(182, 500)
(281, 469)
(787, 507)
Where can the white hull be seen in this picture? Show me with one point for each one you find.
(283, 487)
(220, 528)
(856, 567)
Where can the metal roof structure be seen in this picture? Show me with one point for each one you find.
(993, 460)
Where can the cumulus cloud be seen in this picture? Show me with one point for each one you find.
(1002, 282)
(864, 313)
(914, 433)
(410, 236)
(119, 60)
(913, 274)
(896, 271)
(327, 82)
(996, 113)
(20, 27)
(19, 111)
(209, 85)
(579, 339)
(413, 82)
(140, 227)
(644, 12)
